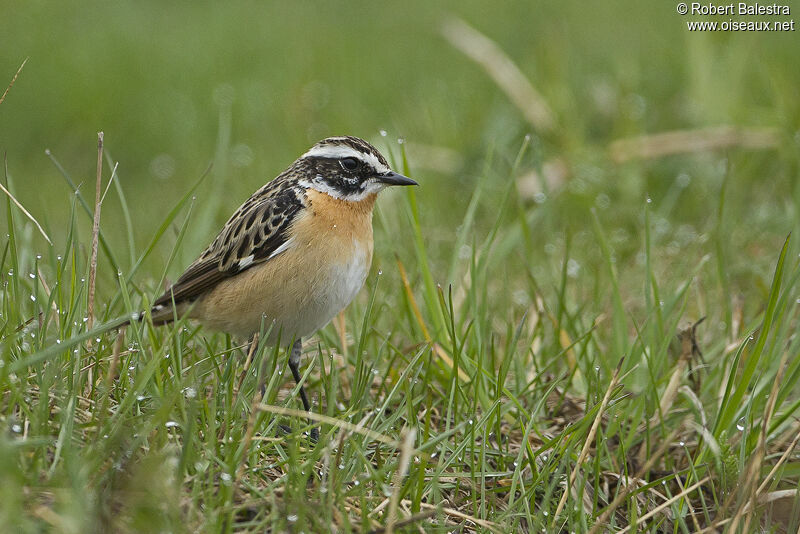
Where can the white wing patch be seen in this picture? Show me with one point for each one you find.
(284, 247)
(344, 151)
(245, 262)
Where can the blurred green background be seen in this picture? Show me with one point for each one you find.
(250, 85)
(568, 233)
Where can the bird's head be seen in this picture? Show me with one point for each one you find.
(347, 168)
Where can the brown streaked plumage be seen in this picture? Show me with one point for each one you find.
(294, 254)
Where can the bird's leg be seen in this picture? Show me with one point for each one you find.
(294, 365)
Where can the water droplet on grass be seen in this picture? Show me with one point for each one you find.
(740, 424)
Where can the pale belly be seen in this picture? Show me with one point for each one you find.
(291, 298)
(331, 296)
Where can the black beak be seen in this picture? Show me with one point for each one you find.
(392, 178)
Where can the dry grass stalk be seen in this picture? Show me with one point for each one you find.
(620, 498)
(251, 421)
(405, 459)
(502, 70)
(689, 141)
(22, 208)
(667, 503)
(587, 444)
(321, 418)
(95, 236)
(14, 79)
(688, 350)
(340, 323)
(435, 347)
(488, 525)
(785, 456)
(410, 520)
(246, 367)
(754, 468)
(110, 181)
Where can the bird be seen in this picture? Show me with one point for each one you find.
(293, 255)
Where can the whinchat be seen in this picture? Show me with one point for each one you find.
(294, 254)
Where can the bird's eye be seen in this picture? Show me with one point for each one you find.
(349, 164)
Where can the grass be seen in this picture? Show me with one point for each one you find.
(527, 354)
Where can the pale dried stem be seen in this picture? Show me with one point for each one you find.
(785, 456)
(688, 141)
(95, 236)
(587, 444)
(405, 458)
(488, 525)
(410, 520)
(502, 70)
(358, 429)
(251, 420)
(22, 208)
(340, 322)
(620, 498)
(667, 503)
(110, 181)
(14, 79)
(754, 468)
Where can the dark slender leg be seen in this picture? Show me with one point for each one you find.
(294, 365)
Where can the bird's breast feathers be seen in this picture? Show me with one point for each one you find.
(303, 287)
